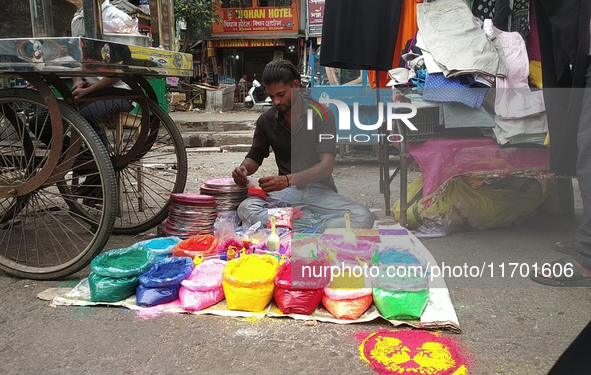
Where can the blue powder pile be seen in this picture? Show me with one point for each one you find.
(175, 267)
(396, 257)
(161, 243)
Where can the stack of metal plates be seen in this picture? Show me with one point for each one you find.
(226, 192)
(191, 215)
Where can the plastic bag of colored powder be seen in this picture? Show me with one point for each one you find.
(110, 289)
(339, 251)
(344, 293)
(347, 309)
(236, 245)
(127, 262)
(397, 257)
(191, 247)
(400, 304)
(203, 288)
(156, 296)
(248, 282)
(193, 300)
(159, 246)
(294, 294)
(167, 272)
(206, 276)
(307, 247)
(402, 278)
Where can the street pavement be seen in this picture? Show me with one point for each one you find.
(510, 325)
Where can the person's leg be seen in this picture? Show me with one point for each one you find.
(99, 111)
(575, 271)
(321, 200)
(255, 209)
(582, 245)
(40, 126)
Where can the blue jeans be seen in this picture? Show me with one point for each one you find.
(316, 198)
(94, 113)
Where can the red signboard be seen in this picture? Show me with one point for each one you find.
(258, 19)
(315, 17)
(315, 12)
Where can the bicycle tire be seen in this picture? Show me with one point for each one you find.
(181, 165)
(104, 226)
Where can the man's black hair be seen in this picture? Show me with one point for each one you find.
(280, 71)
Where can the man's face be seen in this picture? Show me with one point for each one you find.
(281, 95)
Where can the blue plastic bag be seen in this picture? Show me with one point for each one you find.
(167, 272)
(156, 296)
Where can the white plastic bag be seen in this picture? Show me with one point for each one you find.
(77, 25)
(117, 21)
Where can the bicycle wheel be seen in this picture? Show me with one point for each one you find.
(148, 154)
(40, 237)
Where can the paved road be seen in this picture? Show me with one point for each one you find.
(510, 325)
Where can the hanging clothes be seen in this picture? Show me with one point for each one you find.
(532, 40)
(360, 34)
(520, 17)
(502, 14)
(483, 9)
(407, 30)
(457, 42)
(563, 28)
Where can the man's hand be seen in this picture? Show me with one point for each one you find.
(239, 175)
(79, 92)
(78, 86)
(79, 83)
(273, 183)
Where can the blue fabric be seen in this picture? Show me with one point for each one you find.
(445, 90)
(419, 80)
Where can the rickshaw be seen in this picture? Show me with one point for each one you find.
(64, 187)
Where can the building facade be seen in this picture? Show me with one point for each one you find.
(252, 33)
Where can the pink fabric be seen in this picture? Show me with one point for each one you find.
(514, 99)
(443, 159)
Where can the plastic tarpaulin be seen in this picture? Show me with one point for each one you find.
(440, 160)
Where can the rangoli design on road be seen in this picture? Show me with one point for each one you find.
(412, 352)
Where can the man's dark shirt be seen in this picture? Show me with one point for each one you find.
(294, 152)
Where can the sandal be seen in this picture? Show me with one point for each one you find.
(577, 279)
(567, 247)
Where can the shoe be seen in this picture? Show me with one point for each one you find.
(576, 280)
(567, 247)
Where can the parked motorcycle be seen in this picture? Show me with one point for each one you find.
(250, 101)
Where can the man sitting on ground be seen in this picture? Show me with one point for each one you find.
(305, 162)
